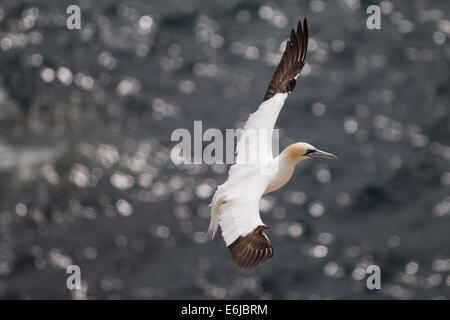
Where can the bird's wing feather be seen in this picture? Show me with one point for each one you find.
(255, 142)
(246, 252)
(239, 212)
(291, 63)
(242, 227)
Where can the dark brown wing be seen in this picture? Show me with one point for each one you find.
(291, 64)
(246, 252)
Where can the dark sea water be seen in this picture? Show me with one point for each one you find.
(86, 177)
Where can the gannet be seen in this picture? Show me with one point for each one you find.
(235, 204)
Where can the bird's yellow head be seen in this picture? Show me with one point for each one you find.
(302, 151)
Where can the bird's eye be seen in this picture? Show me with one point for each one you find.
(308, 151)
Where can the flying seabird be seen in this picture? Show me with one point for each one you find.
(235, 204)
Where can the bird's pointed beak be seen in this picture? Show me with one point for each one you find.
(322, 154)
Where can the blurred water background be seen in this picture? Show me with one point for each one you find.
(85, 170)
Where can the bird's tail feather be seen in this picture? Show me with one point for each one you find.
(214, 223)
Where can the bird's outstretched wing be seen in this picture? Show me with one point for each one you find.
(255, 142)
(291, 64)
(246, 252)
(256, 139)
(243, 229)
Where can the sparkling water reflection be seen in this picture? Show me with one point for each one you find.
(85, 169)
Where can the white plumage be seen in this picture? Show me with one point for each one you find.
(247, 181)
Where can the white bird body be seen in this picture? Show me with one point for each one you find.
(247, 183)
(235, 204)
(241, 193)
